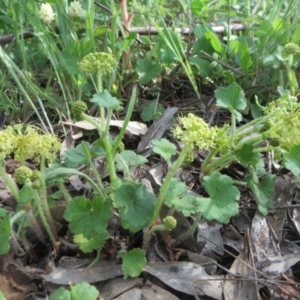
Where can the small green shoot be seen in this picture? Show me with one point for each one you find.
(79, 291)
(292, 160)
(94, 243)
(164, 148)
(104, 99)
(133, 262)
(232, 98)
(262, 190)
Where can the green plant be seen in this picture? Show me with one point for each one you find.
(77, 291)
(25, 143)
(69, 65)
(275, 131)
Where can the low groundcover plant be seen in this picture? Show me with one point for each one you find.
(138, 209)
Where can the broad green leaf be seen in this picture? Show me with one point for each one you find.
(232, 98)
(5, 231)
(105, 99)
(61, 294)
(176, 190)
(129, 40)
(215, 42)
(203, 44)
(203, 65)
(245, 57)
(166, 56)
(246, 156)
(152, 111)
(84, 291)
(296, 36)
(94, 243)
(79, 48)
(199, 30)
(176, 197)
(74, 52)
(197, 7)
(261, 190)
(164, 148)
(75, 157)
(188, 205)
(147, 70)
(133, 262)
(88, 216)
(71, 62)
(130, 158)
(222, 204)
(292, 160)
(3, 212)
(136, 205)
(145, 40)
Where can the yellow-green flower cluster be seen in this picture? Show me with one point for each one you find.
(283, 122)
(194, 130)
(98, 61)
(8, 143)
(291, 49)
(27, 143)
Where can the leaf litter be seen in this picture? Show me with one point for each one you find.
(265, 266)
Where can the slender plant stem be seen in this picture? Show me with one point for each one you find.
(16, 216)
(163, 191)
(233, 128)
(35, 226)
(263, 149)
(190, 231)
(107, 145)
(43, 196)
(96, 174)
(208, 159)
(67, 171)
(8, 181)
(95, 260)
(220, 162)
(239, 182)
(109, 158)
(251, 126)
(247, 141)
(43, 218)
(65, 193)
(126, 120)
(171, 172)
(126, 169)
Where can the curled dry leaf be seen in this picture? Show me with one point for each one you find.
(133, 127)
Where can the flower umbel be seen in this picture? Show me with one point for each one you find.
(283, 122)
(196, 131)
(75, 10)
(46, 13)
(291, 49)
(97, 62)
(27, 143)
(77, 108)
(22, 174)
